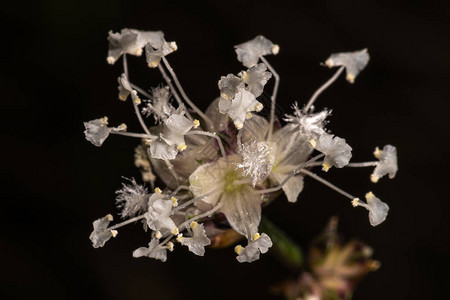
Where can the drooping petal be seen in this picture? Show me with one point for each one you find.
(249, 52)
(387, 163)
(291, 151)
(353, 62)
(292, 188)
(242, 208)
(175, 127)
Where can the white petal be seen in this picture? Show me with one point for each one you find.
(159, 149)
(197, 243)
(229, 86)
(249, 52)
(153, 251)
(242, 209)
(292, 188)
(387, 164)
(256, 78)
(337, 151)
(97, 131)
(378, 210)
(293, 150)
(254, 248)
(354, 62)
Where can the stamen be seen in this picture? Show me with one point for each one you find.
(183, 94)
(322, 88)
(174, 201)
(213, 135)
(275, 50)
(238, 249)
(114, 233)
(328, 184)
(158, 234)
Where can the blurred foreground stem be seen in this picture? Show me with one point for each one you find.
(284, 248)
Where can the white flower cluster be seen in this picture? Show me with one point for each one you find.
(225, 163)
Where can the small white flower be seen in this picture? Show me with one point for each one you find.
(158, 215)
(260, 244)
(131, 41)
(101, 233)
(256, 78)
(378, 210)
(198, 241)
(257, 160)
(387, 163)
(337, 151)
(154, 250)
(97, 131)
(154, 54)
(242, 104)
(132, 199)
(354, 62)
(171, 140)
(229, 86)
(249, 52)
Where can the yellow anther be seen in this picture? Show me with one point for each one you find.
(313, 143)
(193, 224)
(114, 233)
(173, 46)
(181, 147)
(325, 167)
(170, 246)
(238, 249)
(148, 141)
(174, 201)
(238, 125)
(374, 178)
(244, 75)
(138, 52)
(109, 217)
(153, 64)
(259, 107)
(105, 120)
(123, 97)
(158, 190)
(275, 49)
(329, 63)
(196, 123)
(176, 231)
(179, 237)
(137, 101)
(110, 60)
(225, 96)
(248, 116)
(377, 152)
(355, 202)
(369, 195)
(122, 127)
(374, 265)
(350, 78)
(256, 236)
(158, 234)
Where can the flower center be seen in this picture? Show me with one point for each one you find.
(231, 177)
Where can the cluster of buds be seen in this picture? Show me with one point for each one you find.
(220, 167)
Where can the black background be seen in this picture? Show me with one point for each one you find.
(54, 76)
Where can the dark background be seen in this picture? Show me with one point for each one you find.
(54, 76)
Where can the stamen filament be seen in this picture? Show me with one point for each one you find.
(141, 91)
(352, 165)
(292, 174)
(127, 222)
(192, 201)
(183, 94)
(135, 135)
(327, 183)
(322, 88)
(213, 135)
(274, 95)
